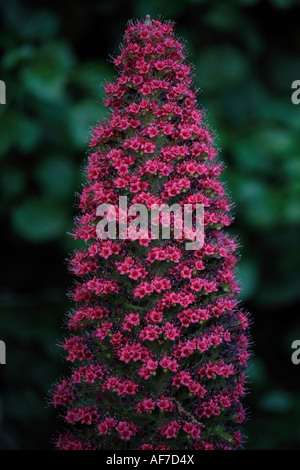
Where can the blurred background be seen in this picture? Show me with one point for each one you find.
(54, 57)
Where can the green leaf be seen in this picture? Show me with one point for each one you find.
(277, 401)
(256, 372)
(257, 204)
(39, 24)
(91, 76)
(56, 176)
(29, 23)
(46, 75)
(223, 16)
(38, 220)
(9, 131)
(283, 70)
(283, 3)
(249, 157)
(29, 134)
(220, 67)
(82, 116)
(248, 275)
(15, 56)
(12, 182)
(18, 131)
(168, 8)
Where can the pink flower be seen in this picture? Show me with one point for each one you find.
(158, 342)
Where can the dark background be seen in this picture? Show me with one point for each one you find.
(53, 61)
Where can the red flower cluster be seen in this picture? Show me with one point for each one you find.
(158, 329)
